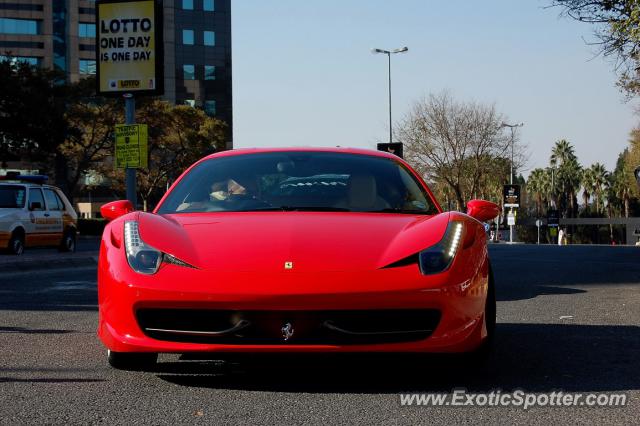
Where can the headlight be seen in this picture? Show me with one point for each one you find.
(143, 258)
(438, 257)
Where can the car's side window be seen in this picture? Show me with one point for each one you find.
(60, 202)
(36, 200)
(52, 200)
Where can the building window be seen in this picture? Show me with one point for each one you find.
(209, 72)
(59, 35)
(19, 26)
(187, 4)
(209, 38)
(22, 44)
(210, 108)
(31, 60)
(190, 102)
(208, 5)
(87, 67)
(189, 72)
(19, 6)
(187, 36)
(86, 30)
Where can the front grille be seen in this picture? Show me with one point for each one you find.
(288, 327)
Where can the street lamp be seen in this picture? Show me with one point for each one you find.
(388, 53)
(512, 127)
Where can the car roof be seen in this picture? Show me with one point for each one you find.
(27, 184)
(337, 149)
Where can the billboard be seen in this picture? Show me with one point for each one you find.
(511, 195)
(129, 47)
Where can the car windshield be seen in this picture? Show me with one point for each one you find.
(299, 181)
(12, 197)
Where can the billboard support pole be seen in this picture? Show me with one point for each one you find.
(511, 230)
(130, 118)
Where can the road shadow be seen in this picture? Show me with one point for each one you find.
(506, 293)
(49, 380)
(527, 271)
(21, 330)
(33, 292)
(533, 357)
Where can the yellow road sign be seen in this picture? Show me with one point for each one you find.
(131, 146)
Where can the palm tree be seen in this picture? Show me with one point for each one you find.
(587, 186)
(536, 186)
(620, 190)
(570, 174)
(567, 169)
(561, 152)
(600, 180)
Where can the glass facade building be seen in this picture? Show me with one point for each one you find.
(197, 44)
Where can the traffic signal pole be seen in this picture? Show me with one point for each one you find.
(130, 173)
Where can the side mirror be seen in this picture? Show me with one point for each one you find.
(115, 209)
(35, 205)
(482, 210)
(637, 173)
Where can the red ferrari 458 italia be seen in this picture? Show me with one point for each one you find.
(294, 250)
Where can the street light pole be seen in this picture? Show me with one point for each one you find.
(390, 125)
(388, 53)
(512, 127)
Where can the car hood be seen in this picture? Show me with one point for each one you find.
(311, 241)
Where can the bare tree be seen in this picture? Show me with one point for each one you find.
(457, 143)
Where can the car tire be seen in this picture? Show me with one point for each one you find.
(132, 361)
(16, 243)
(68, 243)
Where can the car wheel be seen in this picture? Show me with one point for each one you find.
(16, 243)
(132, 361)
(68, 242)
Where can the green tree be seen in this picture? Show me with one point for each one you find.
(567, 175)
(620, 188)
(600, 181)
(538, 185)
(178, 137)
(89, 140)
(32, 104)
(587, 186)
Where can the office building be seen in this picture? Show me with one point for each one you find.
(197, 44)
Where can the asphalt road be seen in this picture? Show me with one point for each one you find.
(568, 319)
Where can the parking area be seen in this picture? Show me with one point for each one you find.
(568, 320)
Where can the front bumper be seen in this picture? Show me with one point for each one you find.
(458, 296)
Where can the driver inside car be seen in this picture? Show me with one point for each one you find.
(221, 191)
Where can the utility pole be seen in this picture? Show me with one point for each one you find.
(130, 172)
(512, 127)
(388, 53)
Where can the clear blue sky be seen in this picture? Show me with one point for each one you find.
(304, 74)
